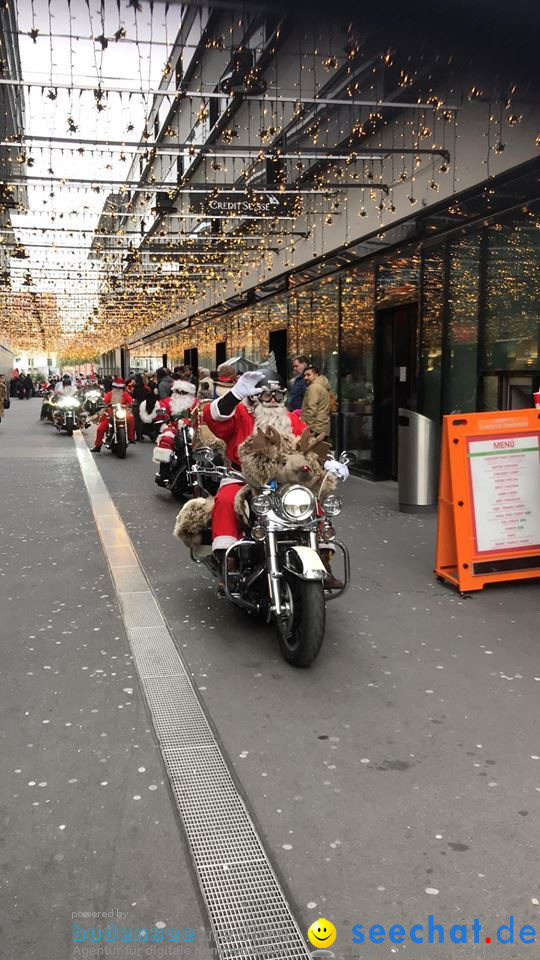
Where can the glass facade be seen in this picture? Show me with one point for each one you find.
(477, 339)
(398, 279)
(356, 384)
(460, 379)
(431, 334)
(513, 293)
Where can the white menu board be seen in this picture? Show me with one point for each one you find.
(505, 479)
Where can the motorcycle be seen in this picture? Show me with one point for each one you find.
(116, 435)
(47, 407)
(278, 570)
(93, 401)
(179, 474)
(68, 415)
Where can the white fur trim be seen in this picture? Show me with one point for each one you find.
(183, 386)
(226, 482)
(161, 455)
(145, 416)
(222, 388)
(216, 415)
(222, 543)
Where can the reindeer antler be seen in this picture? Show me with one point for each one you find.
(262, 439)
(274, 437)
(316, 445)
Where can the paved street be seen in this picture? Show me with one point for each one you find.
(398, 777)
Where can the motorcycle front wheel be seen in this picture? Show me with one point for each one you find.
(301, 637)
(121, 443)
(69, 429)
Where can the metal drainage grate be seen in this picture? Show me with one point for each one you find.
(248, 911)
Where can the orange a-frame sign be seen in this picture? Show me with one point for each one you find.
(489, 498)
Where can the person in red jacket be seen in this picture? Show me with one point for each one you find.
(255, 402)
(118, 394)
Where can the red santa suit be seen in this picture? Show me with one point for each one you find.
(118, 394)
(233, 429)
(179, 404)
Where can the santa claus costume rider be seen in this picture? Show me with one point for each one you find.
(117, 394)
(169, 410)
(255, 402)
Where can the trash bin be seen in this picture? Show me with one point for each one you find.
(418, 462)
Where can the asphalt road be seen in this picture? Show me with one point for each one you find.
(88, 825)
(400, 775)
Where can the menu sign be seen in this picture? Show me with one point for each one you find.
(505, 481)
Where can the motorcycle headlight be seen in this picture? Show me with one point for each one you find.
(261, 505)
(332, 505)
(297, 503)
(68, 402)
(120, 413)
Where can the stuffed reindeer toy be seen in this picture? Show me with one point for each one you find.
(264, 456)
(270, 455)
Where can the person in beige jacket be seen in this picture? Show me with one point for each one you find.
(317, 402)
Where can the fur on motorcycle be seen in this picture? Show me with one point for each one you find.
(269, 455)
(194, 517)
(264, 456)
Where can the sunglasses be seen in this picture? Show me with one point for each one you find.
(276, 394)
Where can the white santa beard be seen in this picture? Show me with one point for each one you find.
(179, 403)
(276, 417)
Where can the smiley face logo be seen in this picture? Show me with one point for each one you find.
(322, 933)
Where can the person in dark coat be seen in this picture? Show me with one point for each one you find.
(13, 383)
(298, 386)
(141, 392)
(165, 383)
(3, 395)
(28, 386)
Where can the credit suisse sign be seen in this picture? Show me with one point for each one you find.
(242, 203)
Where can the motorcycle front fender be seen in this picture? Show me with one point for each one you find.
(304, 562)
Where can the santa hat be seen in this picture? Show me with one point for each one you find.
(183, 386)
(118, 383)
(226, 374)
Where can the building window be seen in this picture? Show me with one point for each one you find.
(398, 279)
(512, 323)
(461, 360)
(432, 333)
(356, 385)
